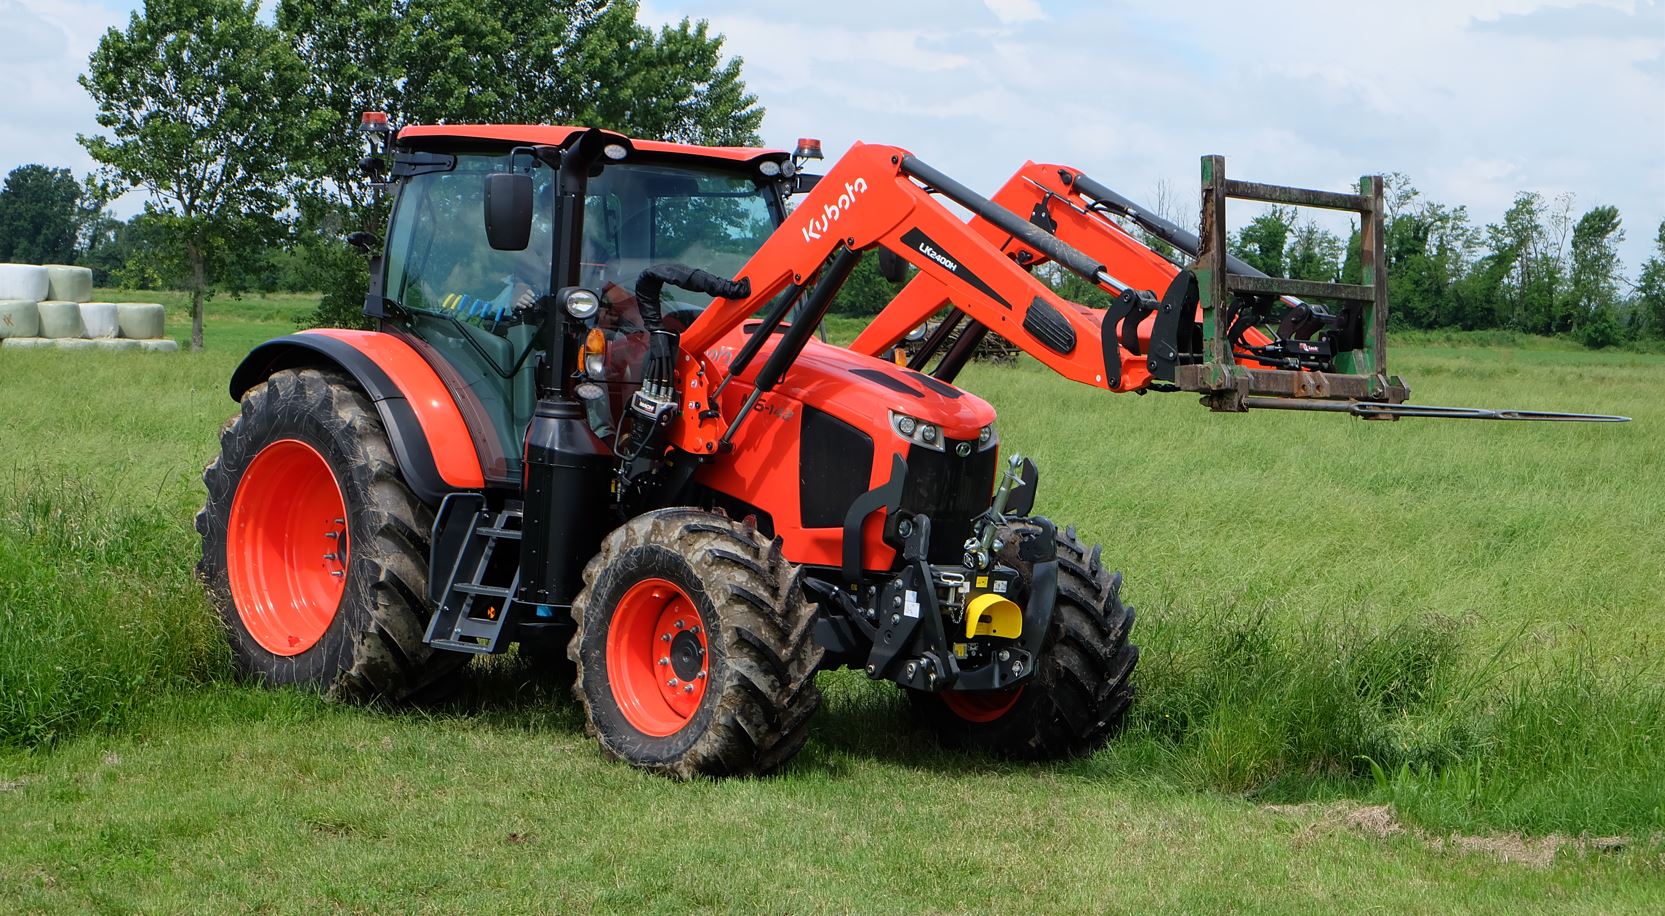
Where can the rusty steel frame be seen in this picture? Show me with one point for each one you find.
(1224, 382)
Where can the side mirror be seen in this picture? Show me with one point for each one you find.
(508, 211)
(363, 241)
(891, 266)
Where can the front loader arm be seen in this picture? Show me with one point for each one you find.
(1048, 196)
(873, 197)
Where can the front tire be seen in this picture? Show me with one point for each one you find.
(694, 650)
(1081, 690)
(314, 551)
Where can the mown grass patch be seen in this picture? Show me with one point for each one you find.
(1460, 619)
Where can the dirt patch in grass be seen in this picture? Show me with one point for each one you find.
(1380, 822)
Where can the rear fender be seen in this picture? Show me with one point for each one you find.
(430, 439)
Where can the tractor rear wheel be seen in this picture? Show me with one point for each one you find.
(1081, 689)
(314, 550)
(694, 650)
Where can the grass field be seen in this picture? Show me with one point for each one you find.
(1458, 621)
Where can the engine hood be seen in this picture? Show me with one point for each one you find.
(862, 388)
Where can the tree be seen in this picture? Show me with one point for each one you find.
(1261, 242)
(40, 215)
(1650, 285)
(866, 291)
(583, 62)
(1314, 254)
(193, 93)
(1594, 273)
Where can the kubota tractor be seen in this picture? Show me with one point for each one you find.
(594, 420)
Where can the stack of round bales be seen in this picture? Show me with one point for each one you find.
(50, 307)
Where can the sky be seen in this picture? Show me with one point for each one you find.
(1473, 99)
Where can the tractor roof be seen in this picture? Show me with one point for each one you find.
(558, 135)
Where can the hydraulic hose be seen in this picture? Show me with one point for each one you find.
(652, 282)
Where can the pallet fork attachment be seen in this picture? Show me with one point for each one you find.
(1205, 333)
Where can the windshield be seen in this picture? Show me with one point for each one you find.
(636, 216)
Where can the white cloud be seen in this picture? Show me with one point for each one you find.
(1014, 11)
(43, 48)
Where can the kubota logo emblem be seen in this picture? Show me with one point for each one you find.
(832, 212)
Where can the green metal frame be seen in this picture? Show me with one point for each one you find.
(1362, 374)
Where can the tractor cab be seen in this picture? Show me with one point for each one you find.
(448, 284)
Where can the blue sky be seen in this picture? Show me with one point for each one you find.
(1474, 99)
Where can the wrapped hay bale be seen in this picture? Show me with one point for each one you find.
(159, 346)
(116, 343)
(70, 284)
(74, 343)
(24, 281)
(60, 319)
(18, 318)
(26, 343)
(140, 320)
(99, 318)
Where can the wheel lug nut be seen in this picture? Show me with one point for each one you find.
(664, 661)
(688, 689)
(664, 637)
(700, 676)
(671, 683)
(679, 624)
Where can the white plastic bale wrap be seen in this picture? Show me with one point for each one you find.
(24, 281)
(71, 284)
(18, 318)
(140, 320)
(60, 319)
(116, 343)
(99, 319)
(159, 346)
(75, 343)
(26, 343)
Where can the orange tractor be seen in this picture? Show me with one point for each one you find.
(595, 421)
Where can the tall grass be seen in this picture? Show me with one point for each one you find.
(98, 611)
(1457, 729)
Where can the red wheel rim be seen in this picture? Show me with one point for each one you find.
(286, 547)
(656, 657)
(981, 705)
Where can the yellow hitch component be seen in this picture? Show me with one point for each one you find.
(992, 615)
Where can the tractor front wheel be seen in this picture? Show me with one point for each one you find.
(1080, 692)
(694, 650)
(314, 550)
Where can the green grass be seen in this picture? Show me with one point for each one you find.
(1459, 619)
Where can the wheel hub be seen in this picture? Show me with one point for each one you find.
(657, 662)
(286, 547)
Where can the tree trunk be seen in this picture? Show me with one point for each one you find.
(193, 253)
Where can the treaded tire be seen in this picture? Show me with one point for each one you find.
(1082, 687)
(760, 690)
(372, 647)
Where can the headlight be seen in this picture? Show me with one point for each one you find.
(615, 151)
(769, 167)
(580, 303)
(985, 436)
(920, 432)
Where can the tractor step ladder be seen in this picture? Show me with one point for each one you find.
(474, 614)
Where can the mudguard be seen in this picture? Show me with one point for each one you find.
(429, 436)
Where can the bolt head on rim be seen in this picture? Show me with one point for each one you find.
(286, 547)
(657, 657)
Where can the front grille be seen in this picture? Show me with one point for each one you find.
(952, 490)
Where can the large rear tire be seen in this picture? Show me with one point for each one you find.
(1081, 690)
(695, 651)
(314, 551)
